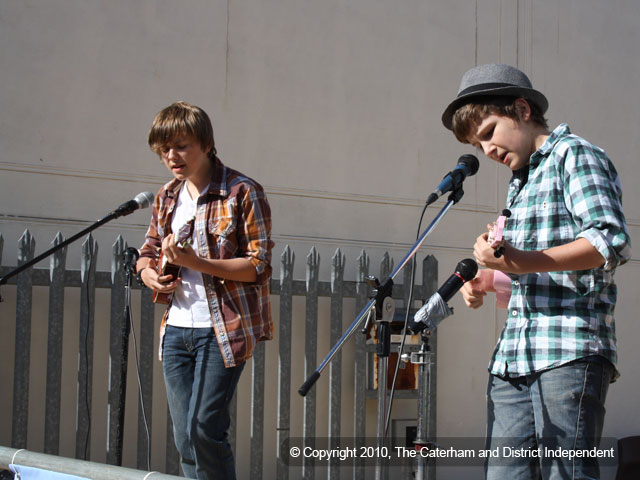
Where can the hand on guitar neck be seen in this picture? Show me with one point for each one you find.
(495, 238)
(490, 280)
(501, 283)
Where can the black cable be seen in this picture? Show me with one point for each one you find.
(404, 335)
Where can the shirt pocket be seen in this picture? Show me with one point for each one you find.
(223, 231)
(549, 225)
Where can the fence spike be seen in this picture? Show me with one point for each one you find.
(89, 254)
(337, 271)
(26, 247)
(313, 266)
(287, 259)
(363, 266)
(386, 266)
(116, 260)
(429, 275)
(59, 258)
(408, 276)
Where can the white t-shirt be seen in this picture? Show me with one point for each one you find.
(189, 307)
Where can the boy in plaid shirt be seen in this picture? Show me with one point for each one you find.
(219, 308)
(556, 356)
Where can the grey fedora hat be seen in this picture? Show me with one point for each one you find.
(496, 80)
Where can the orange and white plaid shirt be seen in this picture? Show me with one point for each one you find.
(233, 219)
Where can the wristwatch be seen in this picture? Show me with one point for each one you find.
(139, 276)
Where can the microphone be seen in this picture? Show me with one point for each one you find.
(467, 165)
(436, 308)
(142, 200)
(130, 257)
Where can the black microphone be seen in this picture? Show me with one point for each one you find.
(142, 200)
(130, 257)
(436, 308)
(467, 165)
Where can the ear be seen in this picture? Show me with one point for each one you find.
(523, 108)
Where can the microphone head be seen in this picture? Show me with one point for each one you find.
(144, 199)
(470, 162)
(131, 255)
(467, 269)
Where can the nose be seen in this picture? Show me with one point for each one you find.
(171, 153)
(489, 149)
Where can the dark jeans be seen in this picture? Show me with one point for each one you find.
(199, 390)
(560, 409)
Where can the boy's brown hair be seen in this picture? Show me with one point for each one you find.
(469, 115)
(181, 118)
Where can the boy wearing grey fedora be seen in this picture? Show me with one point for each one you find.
(556, 355)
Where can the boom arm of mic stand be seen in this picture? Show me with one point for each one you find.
(313, 378)
(60, 246)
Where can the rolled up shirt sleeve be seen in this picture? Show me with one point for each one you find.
(254, 237)
(150, 250)
(593, 193)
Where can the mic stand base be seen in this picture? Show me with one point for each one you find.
(423, 359)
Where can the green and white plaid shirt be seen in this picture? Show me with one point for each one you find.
(572, 191)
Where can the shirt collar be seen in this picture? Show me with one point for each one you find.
(559, 132)
(521, 176)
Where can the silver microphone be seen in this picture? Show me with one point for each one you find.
(142, 200)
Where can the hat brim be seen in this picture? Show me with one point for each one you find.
(529, 94)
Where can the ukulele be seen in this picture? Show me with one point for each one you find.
(183, 239)
(501, 282)
(495, 234)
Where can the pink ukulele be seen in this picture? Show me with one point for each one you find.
(501, 282)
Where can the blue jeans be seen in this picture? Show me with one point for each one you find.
(561, 408)
(199, 390)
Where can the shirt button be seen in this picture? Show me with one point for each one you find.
(514, 313)
(516, 283)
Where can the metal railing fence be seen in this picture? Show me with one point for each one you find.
(58, 279)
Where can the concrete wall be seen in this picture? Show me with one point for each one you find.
(335, 107)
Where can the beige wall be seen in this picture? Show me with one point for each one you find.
(334, 106)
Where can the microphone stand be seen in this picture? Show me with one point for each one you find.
(130, 257)
(119, 212)
(381, 301)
